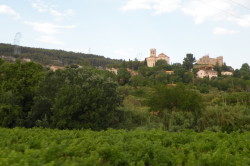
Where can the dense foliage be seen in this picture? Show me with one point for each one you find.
(18, 84)
(163, 98)
(175, 98)
(76, 98)
(70, 98)
(173, 110)
(119, 147)
(90, 98)
(57, 57)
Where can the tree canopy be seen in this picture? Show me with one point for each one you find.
(77, 98)
(19, 82)
(188, 61)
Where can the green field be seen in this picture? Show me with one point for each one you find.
(37, 146)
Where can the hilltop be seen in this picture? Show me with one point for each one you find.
(56, 57)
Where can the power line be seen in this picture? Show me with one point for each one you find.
(239, 4)
(221, 10)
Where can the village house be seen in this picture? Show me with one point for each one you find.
(152, 59)
(207, 73)
(227, 73)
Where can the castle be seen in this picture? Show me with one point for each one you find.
(206, 60)
(153, 58)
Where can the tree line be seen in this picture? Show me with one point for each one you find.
(57, 57)
(88, 97)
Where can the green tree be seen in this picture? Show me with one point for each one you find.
(237, 73)
(172, 98)
(188, 77)
(188, 61)
(161, 77)
(217, 68)
(224, 67)
(10, 110)
(179, 71)
(137, 80)
(81, 98)
(162, 64)
(123, 76)
(19, 82)
(204, 88)
(245, 71)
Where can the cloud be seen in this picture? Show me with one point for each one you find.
(42, 7)
(166, 6)
(158, 6)
(218, 10)
(125, 53)
(202, 11)
(223, 31)
(9, 11)
(48, 28)
(137, 4)
(243, 21)
(48, 31)
(50, 40)
(231, 11)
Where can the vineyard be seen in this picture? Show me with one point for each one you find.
(49, 147)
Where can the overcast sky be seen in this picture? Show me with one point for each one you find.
(127, 29)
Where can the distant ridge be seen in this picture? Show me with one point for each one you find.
(57, 57)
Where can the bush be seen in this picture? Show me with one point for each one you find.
(175, 98)
(225, 118)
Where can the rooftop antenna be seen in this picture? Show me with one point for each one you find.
(17, 49)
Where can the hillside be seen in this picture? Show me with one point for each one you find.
(56, 57)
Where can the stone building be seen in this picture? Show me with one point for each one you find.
(153, 58)
(206, 60)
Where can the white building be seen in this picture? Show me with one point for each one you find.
(227, 73)
(207, 73)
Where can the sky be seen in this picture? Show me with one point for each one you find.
(127, 29)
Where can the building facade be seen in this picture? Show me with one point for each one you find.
(152, 59)
(206, 60)
(227, 73)
(207, 73)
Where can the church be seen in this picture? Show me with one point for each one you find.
(153, 58)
